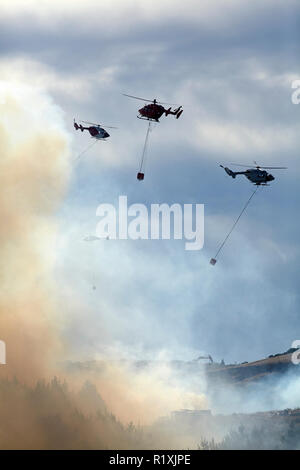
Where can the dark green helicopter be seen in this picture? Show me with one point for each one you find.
(257, 175)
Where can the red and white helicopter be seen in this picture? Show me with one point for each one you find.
(153, 111)
(95, 130)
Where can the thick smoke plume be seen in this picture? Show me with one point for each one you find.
(34, 172)
(144, 395)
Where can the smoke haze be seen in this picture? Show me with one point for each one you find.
(34, 173)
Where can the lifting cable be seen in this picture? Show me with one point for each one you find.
(141, 172)
(85, 150)
(214, 260)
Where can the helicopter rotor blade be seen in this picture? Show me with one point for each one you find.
(150, 101)
(94, 124)
(263, 167)
(137, 98)
(274, 167)
(171, 104)
(241, 164)
(270, 167)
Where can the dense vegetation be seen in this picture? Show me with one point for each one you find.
(51, 416)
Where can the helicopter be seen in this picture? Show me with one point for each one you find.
(153, 111)
(258, 176)
(92, 238)
(95, 130)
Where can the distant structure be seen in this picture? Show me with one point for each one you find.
(205, 357)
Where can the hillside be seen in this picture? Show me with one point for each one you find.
(238, 374)
(253, 371)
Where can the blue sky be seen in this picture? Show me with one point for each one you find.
(231, 64)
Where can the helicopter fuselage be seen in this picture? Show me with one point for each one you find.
(97, 132)
(255, 175)
(258, 176)
(151, 112)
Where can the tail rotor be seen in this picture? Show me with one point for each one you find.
(78, 127)
(178, 112)
(228, 171)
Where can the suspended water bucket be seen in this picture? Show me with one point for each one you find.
(213, 261)
(140, 176)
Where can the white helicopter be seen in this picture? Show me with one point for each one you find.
(258, 176)
(92, 238)
(95, 130)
